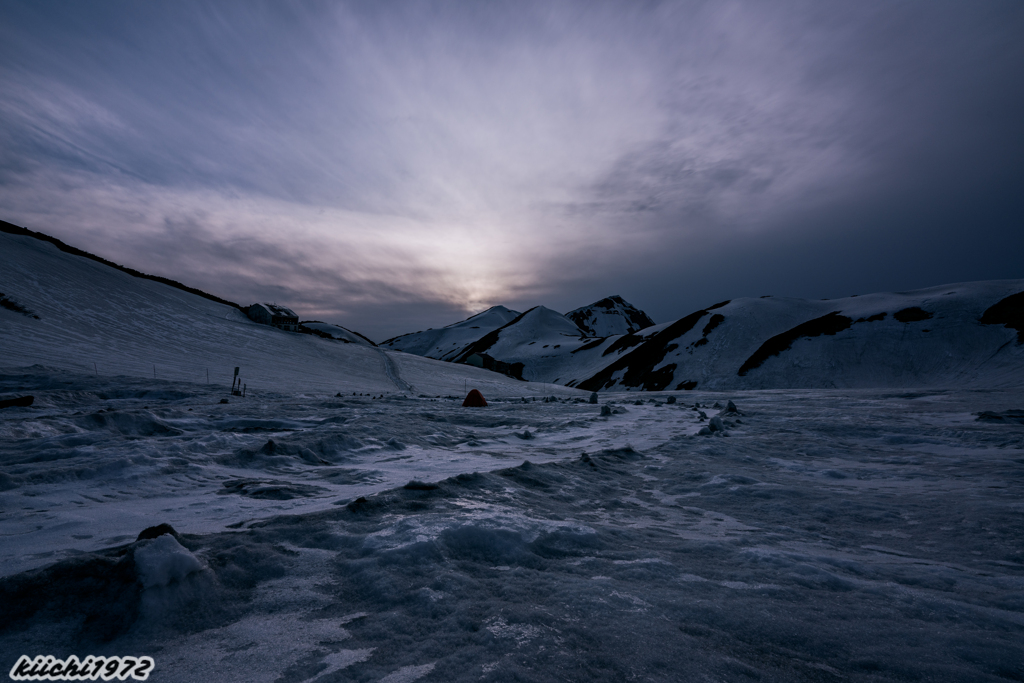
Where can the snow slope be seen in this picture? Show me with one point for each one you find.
(609, 316)
(940, 336)
(538, 339)
(337, 332)
(966, 334)
(449, 342)
(94, 318)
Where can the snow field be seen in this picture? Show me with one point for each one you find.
(832, 535)
(96, 458)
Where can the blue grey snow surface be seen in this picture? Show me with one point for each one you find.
(828, 535)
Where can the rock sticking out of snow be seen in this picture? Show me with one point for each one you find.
(1007, 416)
(606, 410)
(593, 397)
(155, 531)
(18, 402)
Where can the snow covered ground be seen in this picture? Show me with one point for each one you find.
(860, 535)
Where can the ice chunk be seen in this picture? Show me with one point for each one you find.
(163, 560)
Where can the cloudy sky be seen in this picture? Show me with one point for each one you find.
(393, 166)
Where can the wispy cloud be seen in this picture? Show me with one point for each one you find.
(364, 161)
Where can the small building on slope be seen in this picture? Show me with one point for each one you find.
(272, 314)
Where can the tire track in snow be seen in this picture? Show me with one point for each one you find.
(391, 370)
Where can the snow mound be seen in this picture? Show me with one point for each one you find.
(163, 561)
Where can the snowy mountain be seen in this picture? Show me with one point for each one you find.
(534, 344)
(609, 316)
(449, 342)
(966, 334)
(87, 315)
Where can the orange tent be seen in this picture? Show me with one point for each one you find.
(474, 400)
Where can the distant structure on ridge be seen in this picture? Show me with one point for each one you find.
(280, 317)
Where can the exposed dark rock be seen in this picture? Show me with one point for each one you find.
(593, 397)
(686, 385)
(1008, 312)
(1005, 417)
(716, 320)
(12, 305)
(624, 342)
(606, 410)
(829, 324)
(670, 400)
(639, 363)
(18, 402)
(871, 318)
(635, 318)
(912, 315)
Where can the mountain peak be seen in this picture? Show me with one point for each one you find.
(611, 315)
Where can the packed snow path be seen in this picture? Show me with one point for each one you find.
(831, 536)
(391, 370)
